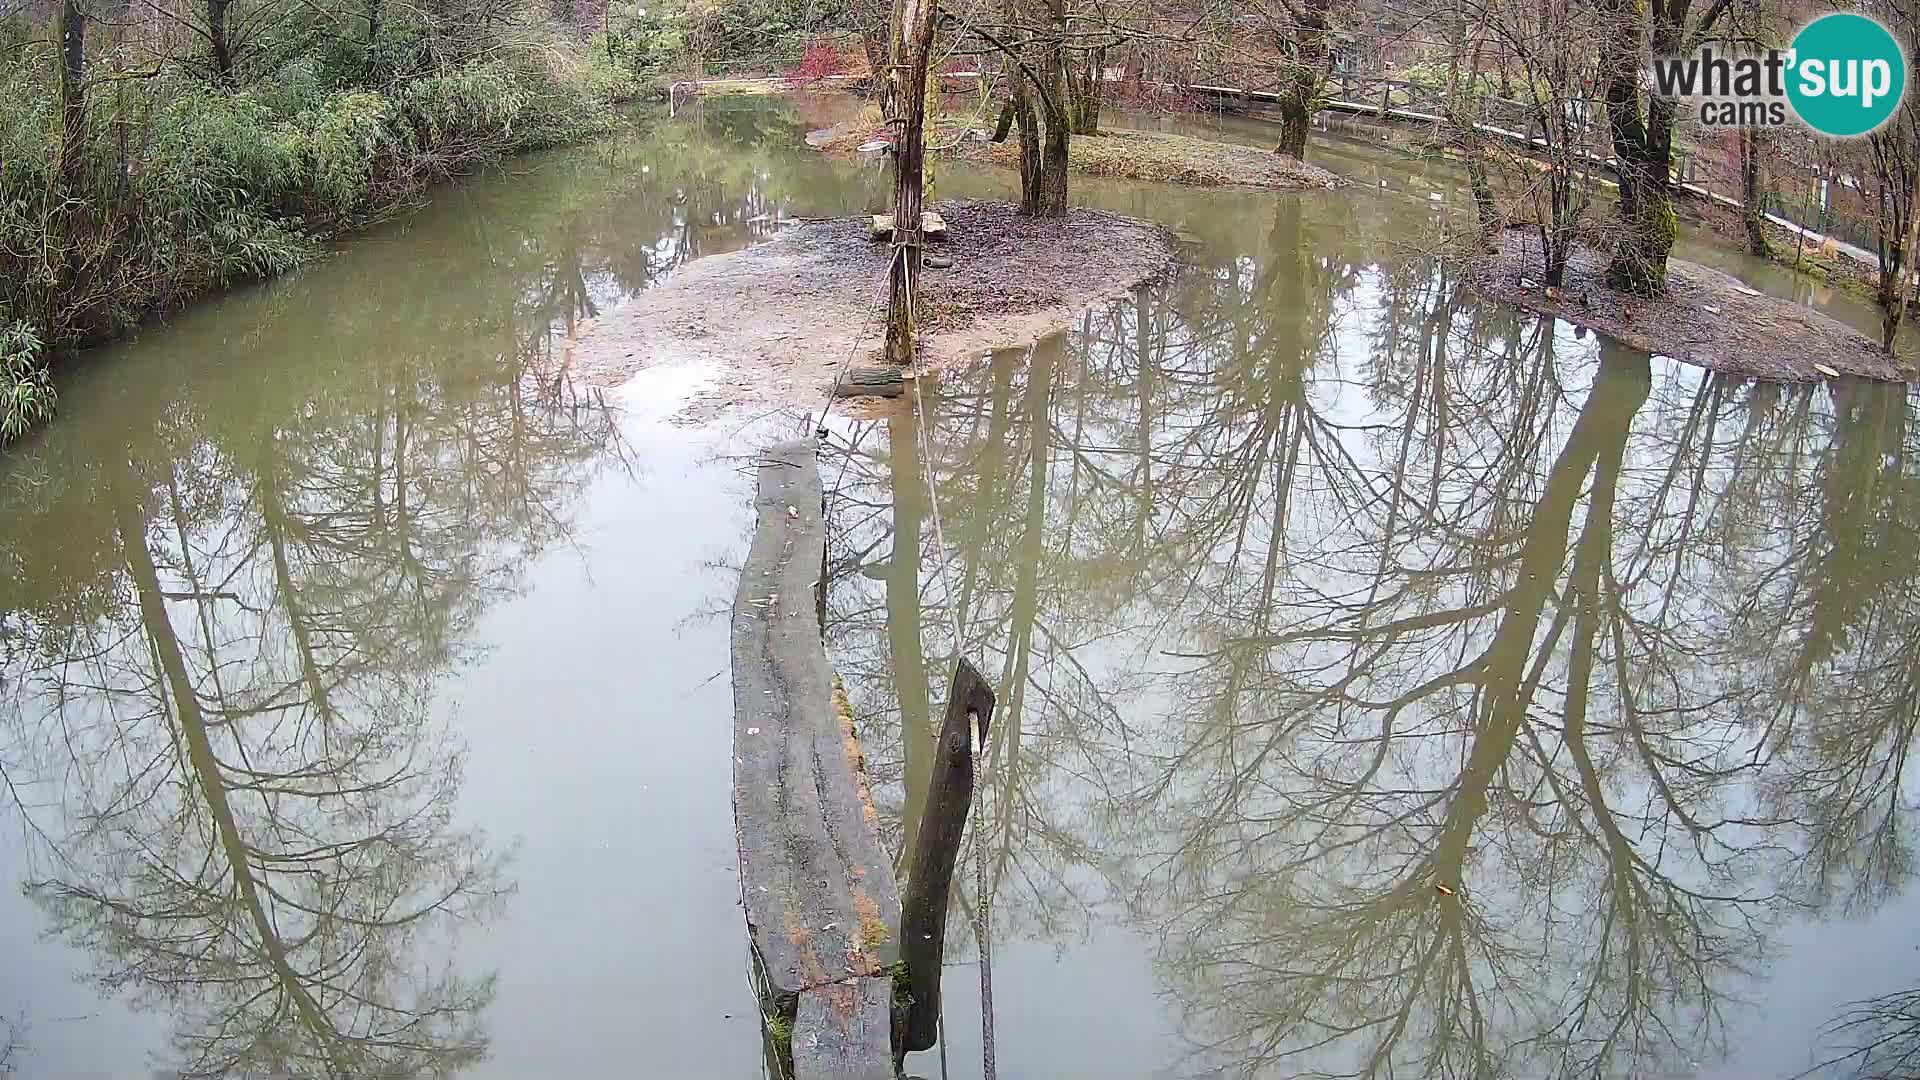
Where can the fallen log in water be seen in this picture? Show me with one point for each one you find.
(822, 908)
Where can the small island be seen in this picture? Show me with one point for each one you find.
(782, 320)
(1703, 316)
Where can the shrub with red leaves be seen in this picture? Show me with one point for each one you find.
(822, 59)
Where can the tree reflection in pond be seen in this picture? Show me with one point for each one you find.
(222, 710)
(1446, 694)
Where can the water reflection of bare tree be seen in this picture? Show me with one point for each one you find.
(1877, 1039)
(1479, 754)
(1515, 720)
(1010, 456)
(256, 789)
(1831, 630)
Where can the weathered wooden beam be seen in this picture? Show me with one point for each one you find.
(821, 905)
(844, 1031)
(930, 878)
(932, 226)
(870, 382)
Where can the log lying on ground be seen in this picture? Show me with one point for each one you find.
(822, 909)
(932, 226)
(871, 382)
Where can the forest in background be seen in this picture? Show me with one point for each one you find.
(151, 150)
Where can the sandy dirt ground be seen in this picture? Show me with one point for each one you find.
(778, 322)
(1707, 317)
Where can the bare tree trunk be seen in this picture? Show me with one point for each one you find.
(1896, 287)
(1029, 119)
(1308, 56)
(73, 96)
(1050, 185)
(1643, 152)
(1004, 124)
(1463, 114)
(1894, 221)
(1038, 70)
(217, 37)
(1086, 89)
(1752, 190)
(912, 47)
(1050, 182)
(1896, 163)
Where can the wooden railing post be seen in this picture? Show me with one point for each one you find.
(923, 918)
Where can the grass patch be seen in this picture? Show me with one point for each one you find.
(1171, 159)
(1119, 153)
(780, 1036)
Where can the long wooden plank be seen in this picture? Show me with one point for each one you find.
(818, 888)
(844, 1032)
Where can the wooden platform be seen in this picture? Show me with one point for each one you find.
(822, 908)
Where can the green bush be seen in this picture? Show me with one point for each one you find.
(641, 38)
(188, 187)
(213, 150)
(26, 389)
(209, 207)
(339, 147)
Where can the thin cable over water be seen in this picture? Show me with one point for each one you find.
(982, 919)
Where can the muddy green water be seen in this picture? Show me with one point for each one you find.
(1392, 684)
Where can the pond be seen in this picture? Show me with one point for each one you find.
(1391, 683)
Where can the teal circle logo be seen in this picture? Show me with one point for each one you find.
(1848, 74)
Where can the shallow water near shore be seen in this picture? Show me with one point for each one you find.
(1391, 682)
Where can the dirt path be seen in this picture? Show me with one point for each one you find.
(1707, 317)
(778, 321)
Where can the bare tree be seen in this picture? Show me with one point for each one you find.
(1754, 144)
(913, 24)
(1299, 30)
(1881, 1037)
(1894, 150)
(1551, 45)
(1642, 126)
